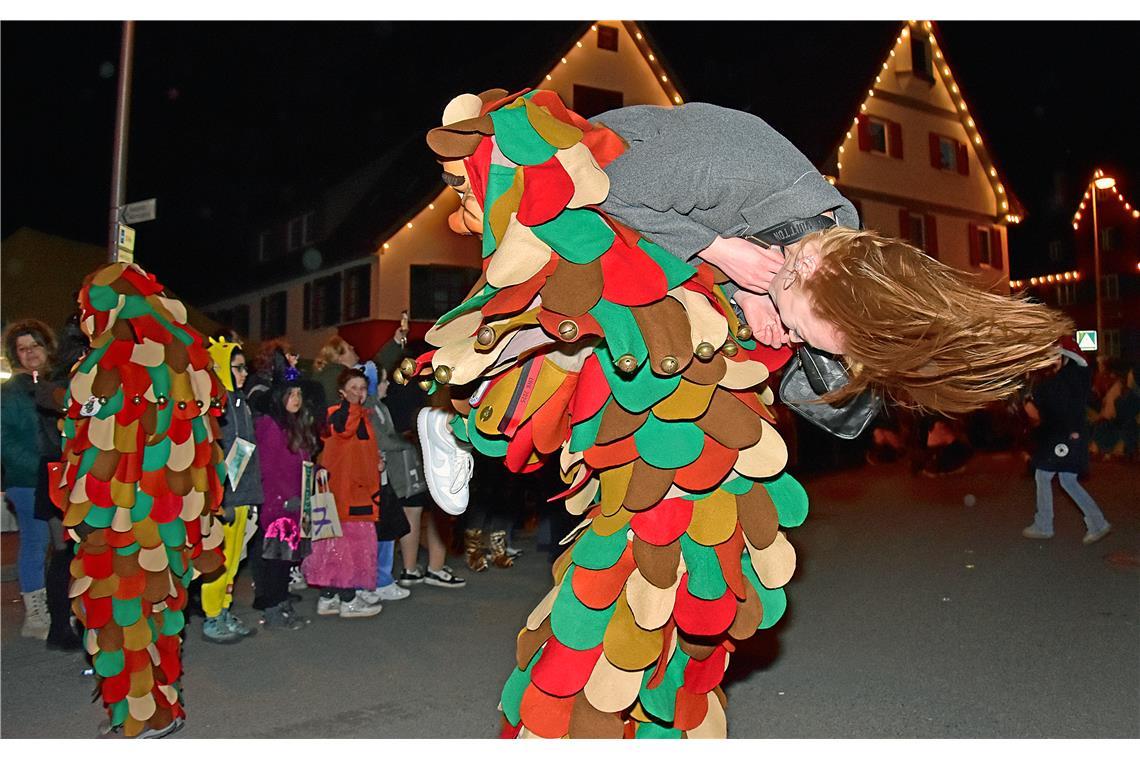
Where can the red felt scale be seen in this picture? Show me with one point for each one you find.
(663, 524)
(702, 676)
(547, 188)
(630, 277)
(699, 617)
(562, 671)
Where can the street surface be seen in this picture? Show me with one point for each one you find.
(910, 615)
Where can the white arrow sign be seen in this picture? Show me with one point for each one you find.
(142, 211)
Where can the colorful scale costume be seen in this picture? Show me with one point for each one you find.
(140, 480)
(586, 339)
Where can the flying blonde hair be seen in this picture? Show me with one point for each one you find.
(330, 353)
(921, 332)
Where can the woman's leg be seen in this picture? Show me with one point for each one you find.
(1094, 518)
(33, 540)
(385, 553)
(437, 551)
(1043, 520)
(410, 543)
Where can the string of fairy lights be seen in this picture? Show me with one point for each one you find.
(448, 199)
(915, 29)
(1134, 213)
(1075, 276)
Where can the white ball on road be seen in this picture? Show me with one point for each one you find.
(970, 500)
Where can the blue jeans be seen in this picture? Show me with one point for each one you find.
(1043, 520)
(33, 539)
(385, 554)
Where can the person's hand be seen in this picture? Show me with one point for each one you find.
(227, 515)
(401, 336)
(762, 317)
(747, 264)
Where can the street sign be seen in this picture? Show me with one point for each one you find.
(1086, 340)
(141, 211)
(125, 240)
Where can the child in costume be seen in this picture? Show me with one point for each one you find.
(601, 330)
(140, 484)
(242, 497)
(286, 437)
(345, 566)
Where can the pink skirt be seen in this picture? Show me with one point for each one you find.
(345, 562)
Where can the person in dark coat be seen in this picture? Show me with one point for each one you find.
(1058, 406)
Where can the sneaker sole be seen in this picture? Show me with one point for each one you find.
(409, 582)
(326, 613)
(234, 640)
(363, 614)
(437, 494)
(444, 584)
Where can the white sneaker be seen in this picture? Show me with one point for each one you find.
(389, 593)
(328, 606)
(296, 579)
(359, 607)
(447, 462)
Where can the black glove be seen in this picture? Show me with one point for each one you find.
(227, 515)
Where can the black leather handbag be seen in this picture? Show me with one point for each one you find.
(812, 374)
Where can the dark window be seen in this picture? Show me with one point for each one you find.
(1066, 294)
(324, 301)
(1055, 250)
(920, 57)
(917, 231)
(235, 318)
(607, 37)
(268, 246)
(982, 235)
(1112, 343)
(358, 292)
(274, 313)
(591, 101)
(1110, 239)
(300, 231)
(437, 289)
(1110, 287)
(878, 132)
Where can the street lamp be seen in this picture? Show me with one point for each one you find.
(1100, 182)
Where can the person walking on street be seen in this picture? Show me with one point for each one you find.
(1057, 406)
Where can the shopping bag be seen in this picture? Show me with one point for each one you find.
(324, 520)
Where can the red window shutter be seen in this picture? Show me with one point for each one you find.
(904, 224)
(935, 153)
(972, 236)
(931, 235)
(864, 134)
(894, 139)
(963, 160)
(995, 248)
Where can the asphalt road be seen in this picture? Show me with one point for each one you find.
(911, 615)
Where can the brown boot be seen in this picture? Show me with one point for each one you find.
(473, 548)
(499, 549)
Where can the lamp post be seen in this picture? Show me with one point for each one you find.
(1099, 182)
(122, 128)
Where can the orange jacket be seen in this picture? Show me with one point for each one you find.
(353, 461)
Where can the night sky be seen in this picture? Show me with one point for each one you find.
(231, 121)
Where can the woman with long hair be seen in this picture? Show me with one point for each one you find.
(287, 438)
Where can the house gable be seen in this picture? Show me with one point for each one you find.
(921, 104)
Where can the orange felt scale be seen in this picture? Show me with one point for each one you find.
(699, 617)
(597, 589)
(562, 671)
(545, 715)
(663, 524)
(710, 469)
(613, 455)
(690, 708)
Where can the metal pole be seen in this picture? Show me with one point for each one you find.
(122, 127)
(1096, 267)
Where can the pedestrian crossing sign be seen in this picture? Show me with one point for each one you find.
(1086, 340)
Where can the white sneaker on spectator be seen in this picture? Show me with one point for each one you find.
(443, 578)
(359, 607)
(389, 593)
(328, 605)
(297, 579)
(448, 463)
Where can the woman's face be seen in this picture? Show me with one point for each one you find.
(239, 368)
(355, 390)
(31, 353)
(293, 401)
(794, 304)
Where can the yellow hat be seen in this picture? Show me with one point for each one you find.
(220, 351)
